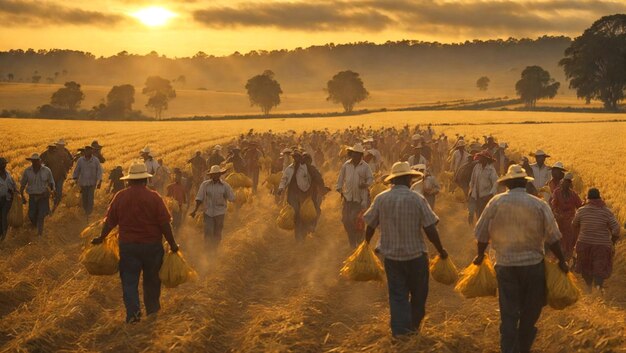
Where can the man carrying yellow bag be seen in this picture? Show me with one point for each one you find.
(401, 215)
(518, 225)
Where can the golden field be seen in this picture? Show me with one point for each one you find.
(264, 292)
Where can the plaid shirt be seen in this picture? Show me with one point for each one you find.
(518, 224)
(401, 214)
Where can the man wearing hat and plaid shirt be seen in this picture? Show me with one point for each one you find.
(38, 182)
(402, 215)
(518, 226)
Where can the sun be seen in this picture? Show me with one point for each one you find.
(154, 16)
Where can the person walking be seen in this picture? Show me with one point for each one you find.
(417, 157)
(353, 184)
(97, 151)
(564, 203)
(239, 164)
(541, 172)
(176, 191)
(8, 189)
(198, 168)
(56, 159)
(216, 157)
(483, 183)
(252, 157)
(460, 157)
(598, 231)
(116, 183)
(213, 195)
(427, 186)
(402, 215)
(518, 225)
(38, 182)
(143, 221)
(296, 180)
(88, 176)
(318, 189)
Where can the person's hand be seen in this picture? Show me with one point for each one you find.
(478, 260)
(563, 266)
(174, 248)
(193, 214)
(96, 241)
(443, 254)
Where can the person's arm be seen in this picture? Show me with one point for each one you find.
(340, 179)
(229, 194)
(77, 169)
(195, 210)
(481, 231)
(369, 233)
(613, 227)
(106, 229)
(369, 178)
(372, 218)
(480, 253)
(166, 229)
(284, 180)
(552, 236)
(555, 248)
(99, 173)
(199, 198)
(433, 236)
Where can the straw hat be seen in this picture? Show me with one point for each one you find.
(568, 176)
(137, 170)
(541, 153)
(61, 142)
(515, 172)
(145, 150)
(358, 148)
(34, 157)
(416, 137)
(559, 165)
(216, 170)
(401, 169)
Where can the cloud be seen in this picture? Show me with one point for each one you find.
(18, 12)
(467, 16)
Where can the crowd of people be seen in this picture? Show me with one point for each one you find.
(518, 208)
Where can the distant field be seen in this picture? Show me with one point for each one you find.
(190, 102)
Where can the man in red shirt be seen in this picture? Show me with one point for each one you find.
(143, 220)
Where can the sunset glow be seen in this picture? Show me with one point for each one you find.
(154, 16)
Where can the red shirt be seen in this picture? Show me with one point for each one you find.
(139, 212)
(177, 192)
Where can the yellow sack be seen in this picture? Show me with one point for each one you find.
(286, 219)
(478, 281)
(562, 288)
(93, 230)
(363, 265)
(16, 213)
(175, 270)
(172, 205)
(238, 180)
(308, 213)
(102, 259)
(376, 189)
(444, 271)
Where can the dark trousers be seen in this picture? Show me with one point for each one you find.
(408, 290)
(88, 194)
(213, 227)
(5, 206)
(295, 198)
(349, 214)
(522, 296)
(135, 258)
(38, 209)
(58, 190)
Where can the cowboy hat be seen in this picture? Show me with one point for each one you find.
(401, 169)
(541, 153)
(357, 148)
(96, 145)
(34, 157)
(559, 165)
(484, 154)
(145, 150)
(515, 172)
(61, 142)
(216, 170)
(136, 171)
(568, 176)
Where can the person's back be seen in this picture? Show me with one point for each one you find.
(597, 224)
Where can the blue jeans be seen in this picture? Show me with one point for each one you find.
(5, 206)
(58, 190)
(135, 258)
(408, 290)
(38, 209)
(522, 296)
(213, 227)
(88, 194)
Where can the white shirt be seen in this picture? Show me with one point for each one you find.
(303, 178)
(484, 181)
(459, 159)
(152, 166)
(351, 178)
(214, 197)
(541, 174)
(6, 185)
(376, 159)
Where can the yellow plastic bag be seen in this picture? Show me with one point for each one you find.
(16, 213)
(286, 219)
(478, 281)
(562, 288)
(102, 259)
(363, 265)
(376, 189)
(239, 180)
(444, 271)
(308, 213)
(175, 270)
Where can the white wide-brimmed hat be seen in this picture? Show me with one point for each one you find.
(515, 171)
(541, 153)
(137, 170)
(216, 169)
(568, 176)
(61, 142)
(401, 169)
(34, 157)
(358, 148)
(559, 165)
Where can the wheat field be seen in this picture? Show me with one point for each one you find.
(264, 292)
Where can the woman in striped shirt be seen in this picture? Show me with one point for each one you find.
(598, 230)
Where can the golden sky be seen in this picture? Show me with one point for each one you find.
(219, 27)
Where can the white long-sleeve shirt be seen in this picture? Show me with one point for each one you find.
(459, 159)
(541, 174)
(351, 178)
(303, 178)
(484, 181)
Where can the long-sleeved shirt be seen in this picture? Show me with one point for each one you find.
(541, 174)
(37, 182)
(214, 196)
(7, 186)
(351, 178)
(88, 171)
(484, 181)
(597, 224)
(518, 225)
(152, 166)
(401, 215)
(303, 178)
(459, 159)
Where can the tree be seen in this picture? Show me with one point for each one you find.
(68, 97)
(346, 88)
(122, 96)
(536, 84)
(264, 91)
(160, 92)
(595, 63)
(36, 78)
(483, 83)
(11, 77)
